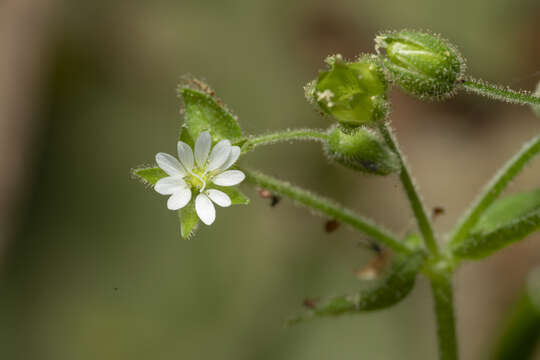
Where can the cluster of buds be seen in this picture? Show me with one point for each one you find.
(355, 93)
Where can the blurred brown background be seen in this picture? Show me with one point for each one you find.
(91, 264)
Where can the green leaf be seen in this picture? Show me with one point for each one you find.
(394, 287)
(203, 112)
(237, 197)
(149, 175)
(188, 220)
(506, 221)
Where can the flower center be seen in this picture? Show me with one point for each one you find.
(197, 178)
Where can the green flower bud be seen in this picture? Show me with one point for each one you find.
(423, 64)
(362, 149)
(354, 93)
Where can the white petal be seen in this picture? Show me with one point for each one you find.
(185, 154)
(205, 209)
(179, 199)
(170, 164)
(169, 185)
(202, 148)
(235, 153)
(220, 153)
(219, 197)
(229, 178)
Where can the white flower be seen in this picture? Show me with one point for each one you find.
(197, 172)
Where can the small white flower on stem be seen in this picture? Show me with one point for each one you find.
(195, 173)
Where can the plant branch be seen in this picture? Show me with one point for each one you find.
(424, 223)
(441, 286)
(496, 92)
(287, 135)
(494, 188)
(327, 207)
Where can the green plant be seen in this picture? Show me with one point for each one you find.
(353, 94)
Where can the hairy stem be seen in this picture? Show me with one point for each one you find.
(424, 223)
(327, 207)
(496, 92)
(494, 188)
(441, 286)
(286, 135)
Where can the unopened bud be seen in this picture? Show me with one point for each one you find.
(354, 93)
(423, 64)
(362, 149)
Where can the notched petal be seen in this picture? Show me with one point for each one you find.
(185, 154)
(219, 155)
(170, 164)
(202, 148)
(229, 178)
(219, 197)
(179, 199)
(169, 185)
(205, 209)
(233, 156)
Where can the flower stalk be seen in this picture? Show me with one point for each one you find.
(424, 223)
(496, 92)
(328, 208)
(283, 136)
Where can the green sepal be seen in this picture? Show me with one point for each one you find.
(237, 197)
(390, 290)
(423, 64)
(506, 221)
(186, 137)
(362, 149)
(189, 220)
(149, 175)
(204, 112)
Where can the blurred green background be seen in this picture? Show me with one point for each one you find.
(92, 265)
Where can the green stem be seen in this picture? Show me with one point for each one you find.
(494, 188)
(441, 286)
(327, 207)
(496, 92)
(287, 135)
(419, 211)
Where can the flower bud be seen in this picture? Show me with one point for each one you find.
(422, 64)
(354, 93)
(362, 149)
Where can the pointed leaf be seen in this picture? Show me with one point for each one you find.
(189, 220)
(149, 175)
(506, 221)
(203, 112)
(237, 197)
(393, 288)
